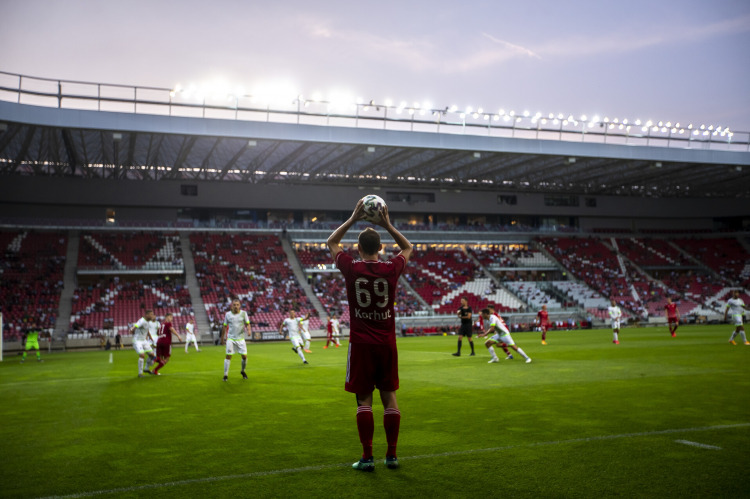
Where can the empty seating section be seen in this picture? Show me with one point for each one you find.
(253, 268)
(585, 297)
(479, 293)
(724, 255)
(591, 261)
(493, 255)
(113, 305)
(31, 279)
(533, 295)
(129, 250)
(534, 259)
(442, 276)
(639, 253)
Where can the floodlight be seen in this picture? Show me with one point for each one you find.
(526, 113)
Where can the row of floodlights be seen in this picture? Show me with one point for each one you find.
(345, 103)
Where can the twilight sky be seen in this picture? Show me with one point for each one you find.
(678, 60)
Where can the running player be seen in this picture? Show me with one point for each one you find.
(737, 308)
(372, 360)
(164, 343)
(496, 325)
(543, 319)
(236, 327)
(32, 342)
(615, 314)
(333, 330)
(190, 336)
(304, 330)
(292, 326)
(464, 313)
(491, 308)
(672, 313)
(141, 344)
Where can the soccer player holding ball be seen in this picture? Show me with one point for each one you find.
(372, 360)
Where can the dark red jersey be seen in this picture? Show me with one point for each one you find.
(543, 317)
(671, 309)
(371, 291)
(329, 327)
(165, 334)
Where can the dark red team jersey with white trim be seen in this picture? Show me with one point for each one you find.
(165, 334)
(371, 291)
(671, 309)
(543, 317)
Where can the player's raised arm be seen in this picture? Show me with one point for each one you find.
(403, 243)
(334, 240)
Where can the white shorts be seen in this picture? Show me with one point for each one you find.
(615, 324)
(236, 346)
(296, 341)
(306, 335)
(189, 337)
(737, 319)
(505, 338)
(142, 346)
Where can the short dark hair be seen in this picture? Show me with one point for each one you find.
(491, 306)
(369, 241)
(485, 310)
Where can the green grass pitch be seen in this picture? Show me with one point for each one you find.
(652, 417)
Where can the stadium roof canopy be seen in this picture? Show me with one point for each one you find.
(291, 147)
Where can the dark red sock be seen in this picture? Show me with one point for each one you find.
(505, 349)
(391, 422)
(366, 428)
(544, 335)
(159, 366)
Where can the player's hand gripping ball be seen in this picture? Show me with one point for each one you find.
(373, 205)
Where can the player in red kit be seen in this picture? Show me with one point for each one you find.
(372, 361)
(543, 319)
(164, 342)
(673, 316)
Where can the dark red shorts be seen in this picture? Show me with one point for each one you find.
(371, 366)
(163, 350)
(671, 320)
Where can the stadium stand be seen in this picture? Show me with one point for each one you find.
(130, 250)
(31, 279)
(253, 268)
(112, 304)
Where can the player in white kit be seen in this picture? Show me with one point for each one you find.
(615, 314)
(236, 327)
(304, 330)
(141, 343)
(736, 307)
(502, 335)
(292, 325)
(190, 336)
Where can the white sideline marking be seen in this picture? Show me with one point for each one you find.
(696, 444)
(425, 456)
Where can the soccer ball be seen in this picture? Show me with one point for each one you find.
(373, 205)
